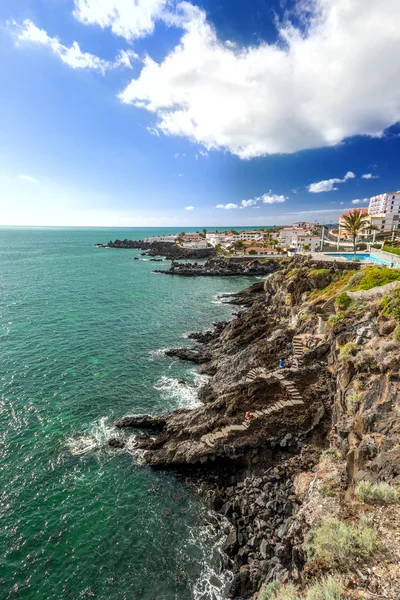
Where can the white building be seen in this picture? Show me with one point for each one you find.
(287, 234)
(312, 241)
(250, 235)
(197, 244)
(384, 211)
(216, 238)
(160, 238)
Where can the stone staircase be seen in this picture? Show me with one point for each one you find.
(257, 373)
(298, 347)
(296, 399)
(328, 308)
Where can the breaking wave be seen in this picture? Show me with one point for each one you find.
(179, 392)
(96, 438)
(215, 578)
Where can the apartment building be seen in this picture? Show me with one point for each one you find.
(384, 211)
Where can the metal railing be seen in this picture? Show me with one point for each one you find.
(392, 258)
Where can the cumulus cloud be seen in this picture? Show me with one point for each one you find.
(369, 176)
(72, 55)
(328, 185)
(127, 18)
(316, 86)
(359, 201)
(268, 198)
(189, 207)
(228, 206)
(29, 178)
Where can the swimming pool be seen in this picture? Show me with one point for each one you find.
(361, 256)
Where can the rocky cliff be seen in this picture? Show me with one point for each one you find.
(278, 449)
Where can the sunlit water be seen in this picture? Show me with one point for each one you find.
(81, 330)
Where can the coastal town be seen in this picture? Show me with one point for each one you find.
(380, 224)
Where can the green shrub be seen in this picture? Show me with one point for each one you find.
(347, 351)
(353, 401)
(343, 301)
(268, 590)
(320, 272)
(377, 276)
(391, 304)
(388, 248)
(331, 454)
(377, 493)
(332, 319)
(277, 591)
(397, 333)
(328, 588)
(340, 544)
(356, 279)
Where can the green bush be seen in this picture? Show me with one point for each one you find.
(340, 544)
(397, 333)
(332, 319)
(347, 351)
(328, 588)
(388, 248)
(391, 304)
(353, 401)
(331, 454)
(268, 590)
(377, 493)
(377, 276)
(320, 272)
(343, 301)
(356, 279)
(277, 591)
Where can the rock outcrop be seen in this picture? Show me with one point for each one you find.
(222, 267)
(169, 250)
(254, 445)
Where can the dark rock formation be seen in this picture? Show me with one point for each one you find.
(166, 249)
(222, 267)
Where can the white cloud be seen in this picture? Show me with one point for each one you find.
(72, 55)
(127, 18)
(369, 176)
(153, 131)
(315, 87)
(228, 206)
(328, 185)
(359, 201)
(189, 207)
(29, 178)
(268, 198)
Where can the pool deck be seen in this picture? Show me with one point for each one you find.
(386, 260)
(318, 256)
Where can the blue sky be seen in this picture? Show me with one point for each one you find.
(156, 112)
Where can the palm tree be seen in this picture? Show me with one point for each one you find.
(238, 246)
(354, 224)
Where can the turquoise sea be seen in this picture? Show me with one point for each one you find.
(80, 328)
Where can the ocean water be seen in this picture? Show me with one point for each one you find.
(81, 330)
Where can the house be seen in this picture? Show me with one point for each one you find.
(252, 250)
(286, 234)
(312, 243)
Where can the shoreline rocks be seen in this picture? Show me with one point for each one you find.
(155, 249)
(222, 267)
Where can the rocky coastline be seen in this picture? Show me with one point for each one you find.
(256, 446)
(168, 250)
(222, 267)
